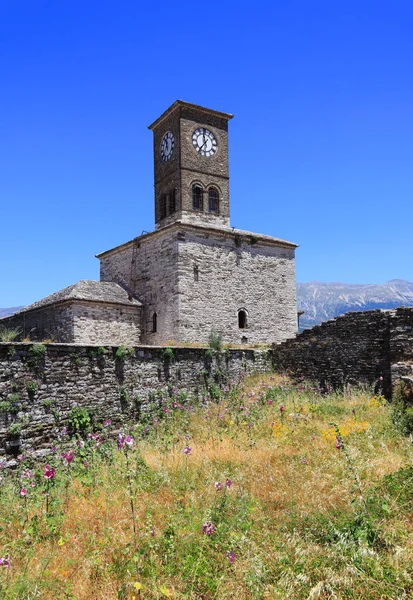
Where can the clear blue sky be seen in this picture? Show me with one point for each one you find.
(321, 146)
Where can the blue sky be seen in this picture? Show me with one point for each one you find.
(321, 149)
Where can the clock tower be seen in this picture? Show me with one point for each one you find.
(191, 166)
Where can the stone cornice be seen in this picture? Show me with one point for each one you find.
(181, 104)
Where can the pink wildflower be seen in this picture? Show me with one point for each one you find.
(282, 408)
(5, 561)
(107, 423)
(208, 528)
(187, 450)
(338, 443)
(231, 556)
(129, 440)
(228, 483)
(49, 472)
(68, 456)
(23, 492)
(218, 486)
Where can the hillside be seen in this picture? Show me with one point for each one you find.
(323, 301)
(5, 312)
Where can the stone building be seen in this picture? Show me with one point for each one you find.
(194, 274)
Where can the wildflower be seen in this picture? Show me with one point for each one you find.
(5, 561)
(23, 492)
(338, 443)
(354, 411)
(49, 472)
(20, 457)
(68, 456)
(64, 431)
(107, 423)
(304, 461)
(121, 441)
(33, 483)
(228, 483)
(152, 531)
(187, 450)
(129, 440)
(208, 528)
(231, 556)
(282, 409)
(188, 436)
(218, 486)
(270, 402)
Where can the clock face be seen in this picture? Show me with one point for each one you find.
(167, 146)
(204, 142)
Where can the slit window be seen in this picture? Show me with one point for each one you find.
(197, 194)
(213, 198)
(172, 201)
(196, 273)
(154, 322)
(242, 319)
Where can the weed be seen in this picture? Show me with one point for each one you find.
(9, 334)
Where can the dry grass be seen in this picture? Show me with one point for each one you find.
(295, 520)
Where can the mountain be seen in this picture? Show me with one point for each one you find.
(323, 301)
(5, 312)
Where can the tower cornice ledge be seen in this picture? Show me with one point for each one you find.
(181, 104)
(230, 232)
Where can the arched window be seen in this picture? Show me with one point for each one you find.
(213, 200)
(197, 193)
(154, 322)
(242, 319)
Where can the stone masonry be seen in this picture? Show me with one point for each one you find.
(43, 384)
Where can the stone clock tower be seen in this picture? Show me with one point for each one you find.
(191, 166)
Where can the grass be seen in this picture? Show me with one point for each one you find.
(247, 497)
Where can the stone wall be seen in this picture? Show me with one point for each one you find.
(102, 324)
(235, 270)
(50, 323)
(40, 385)
(354, 348)
(80, 322)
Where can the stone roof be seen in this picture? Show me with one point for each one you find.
(92, 291)
(220, 231)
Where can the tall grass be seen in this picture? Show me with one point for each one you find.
(272, 491)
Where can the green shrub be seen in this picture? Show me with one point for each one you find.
(31, 387)
(15, 430)
(215, 341)
(402, 407)
(80, 420)
(9, 334)
(122, 352)
(167, 354)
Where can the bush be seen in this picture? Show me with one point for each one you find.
(9, 334)
(80, 420)
(215, 341)
(402, 407)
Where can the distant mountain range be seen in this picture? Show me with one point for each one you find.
(5, 312)
(323, 301)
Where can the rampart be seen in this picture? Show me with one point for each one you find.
(372, 347)
(41, 384)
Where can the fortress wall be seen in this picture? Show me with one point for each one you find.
(65, 376)
(353, 348)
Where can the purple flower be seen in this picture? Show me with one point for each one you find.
(269, 401)
(49, 472)
(68, 456)
(304, 461)
(129, 440)
(5, 561)
(121, 441)
(208, 528)
(338, 443)
(231, 556)
(282, 408)
(20, 457)
(218, 486)
(107, 423)
(23, 492)
(228, 483)
(187, 450)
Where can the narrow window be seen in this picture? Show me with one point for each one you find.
(172, 201)
(196, 273)
(213, 198)
(197, 197)
(163, 205)
(242, 319)
(154, 322)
